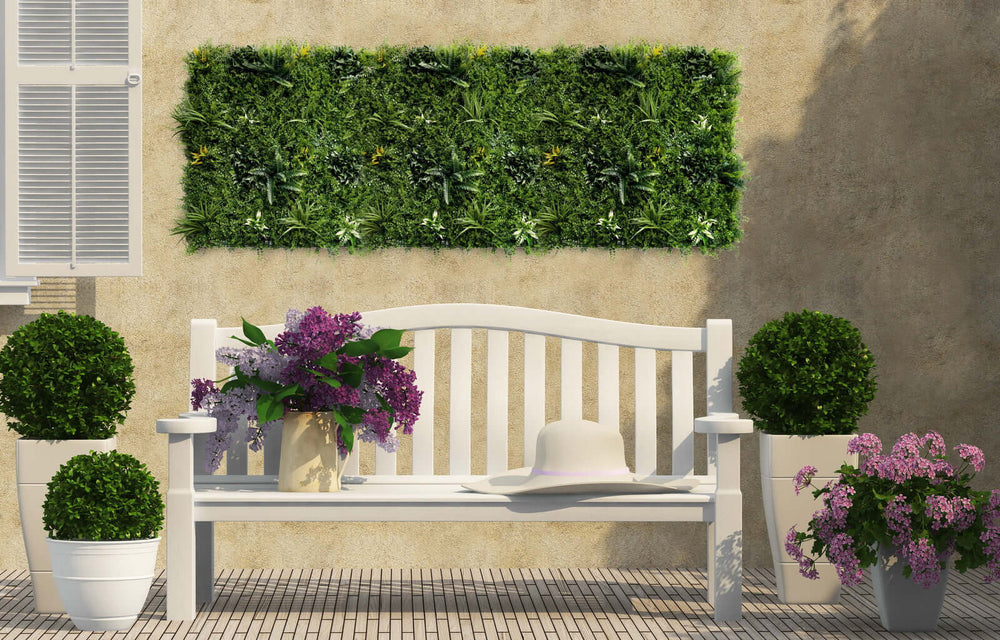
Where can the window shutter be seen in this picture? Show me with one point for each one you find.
(72, 125)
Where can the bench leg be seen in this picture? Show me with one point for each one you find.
(725, 540)
(204, 546)
(180, 529)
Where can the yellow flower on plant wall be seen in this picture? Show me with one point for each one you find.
(378, 154)
(480, 52)
(656, 51)
(198, 157)
(303, 52)
(551, 157)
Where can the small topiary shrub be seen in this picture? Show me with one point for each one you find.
(808, 373)
(103, 496)
(65, 377)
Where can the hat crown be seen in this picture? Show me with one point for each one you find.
(579, 447)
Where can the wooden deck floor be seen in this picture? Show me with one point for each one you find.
(442, 604)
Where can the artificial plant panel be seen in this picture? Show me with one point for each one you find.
(460, 146)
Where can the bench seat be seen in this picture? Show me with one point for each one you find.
(435, 499)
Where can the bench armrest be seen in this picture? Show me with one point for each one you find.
(723, 423)
(190, 422)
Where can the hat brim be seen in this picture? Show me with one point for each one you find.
(523, 481)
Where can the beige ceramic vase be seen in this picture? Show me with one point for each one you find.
(37, 461)
(309, 457)
(781, 457)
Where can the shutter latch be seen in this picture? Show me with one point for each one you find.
(133, 80)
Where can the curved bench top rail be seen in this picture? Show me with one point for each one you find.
(522, 319)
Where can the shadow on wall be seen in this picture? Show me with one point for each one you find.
(882, 209)
(73, 295)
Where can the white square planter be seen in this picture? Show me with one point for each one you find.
(37, 461)
(781, 457)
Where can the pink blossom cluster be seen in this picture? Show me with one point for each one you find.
(897, 517)
(972, 455)
(803, 478)
(957, 512)
(807, 566)
(845, 559)
(924, 562)
(991, 536)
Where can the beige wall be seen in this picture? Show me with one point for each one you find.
(869, 130)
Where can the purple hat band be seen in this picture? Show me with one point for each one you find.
(621, 472)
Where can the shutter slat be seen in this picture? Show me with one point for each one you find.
(44, 32)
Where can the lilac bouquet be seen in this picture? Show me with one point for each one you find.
(319, 363)
(918, 506)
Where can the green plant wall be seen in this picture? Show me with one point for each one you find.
(460, 146)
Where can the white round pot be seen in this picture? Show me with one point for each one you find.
(103, 584)
(37, 461)
(781, 457)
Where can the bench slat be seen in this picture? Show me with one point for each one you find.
(645, 412)
(423, 430)
(682, 397)
(236, 454)
(460, 432)
(608, 409)
(534, 393)
(571, 396)
(496, 401)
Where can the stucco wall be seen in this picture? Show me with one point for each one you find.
(869, 130)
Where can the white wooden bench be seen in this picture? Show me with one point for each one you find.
(195, 502)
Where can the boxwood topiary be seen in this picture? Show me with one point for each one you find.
(103, 496)
(807, 373)
(65, 376)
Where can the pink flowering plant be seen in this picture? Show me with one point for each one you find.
(320, 362)
(911, 501)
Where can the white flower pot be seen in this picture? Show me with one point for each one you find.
(37, 461)
(781, 457)
(103, 584)
(309, 457)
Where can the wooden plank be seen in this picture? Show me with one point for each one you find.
(460, 430)
(571, 380)
(608, 408)
(423, 430)
(496, 402)
(645, 412)
(534, 393)
(682, 399)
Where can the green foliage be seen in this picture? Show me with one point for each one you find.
(65, 377)
(807, 373)
(460, 146)
(103, 496)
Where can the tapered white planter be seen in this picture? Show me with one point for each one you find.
(781, 457)
(903, 604)
(37, 461)
(103, 584)
(309, 457)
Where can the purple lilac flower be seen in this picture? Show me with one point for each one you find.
(991, 536)
(923, 561)
(202, 388)
(845, 559)
(804, 477)
(972, 455)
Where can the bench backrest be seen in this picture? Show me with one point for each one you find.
(572, 331)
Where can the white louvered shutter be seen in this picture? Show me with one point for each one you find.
(72, 137)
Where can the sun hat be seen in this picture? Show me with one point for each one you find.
(576, 456)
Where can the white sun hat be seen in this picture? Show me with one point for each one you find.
(577, 456)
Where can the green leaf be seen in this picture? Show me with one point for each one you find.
(351, 374)
(347, 435)
(359, 348)
(387, 338)
(253, 333)
(353, 415)
(329, 361)
(268, 409)
(267, 386)
(295, 389)
(395, 353)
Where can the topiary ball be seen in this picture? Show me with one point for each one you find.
(807, 373)
(103, 496)
(65, 377)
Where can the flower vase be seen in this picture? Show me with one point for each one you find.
(904, 605)
(310, 460)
